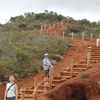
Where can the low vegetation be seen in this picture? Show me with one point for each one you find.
(82, 26)
(84, 75)
(22, 54)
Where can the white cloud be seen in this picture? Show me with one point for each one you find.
(75, 8)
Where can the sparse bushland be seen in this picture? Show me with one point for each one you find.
(22, 54)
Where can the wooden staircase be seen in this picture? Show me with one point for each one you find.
(69, 72)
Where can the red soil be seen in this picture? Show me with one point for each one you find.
(77, 88)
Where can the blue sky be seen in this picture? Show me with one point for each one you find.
(78, 9)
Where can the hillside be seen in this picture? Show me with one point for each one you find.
(68, 55)
(26, 51)
(36, 21)
(26, 38)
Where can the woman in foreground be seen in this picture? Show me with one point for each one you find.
(11, 92)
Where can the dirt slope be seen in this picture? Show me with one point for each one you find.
(87, 89)
(76, 51)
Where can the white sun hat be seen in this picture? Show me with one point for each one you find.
(46, 54)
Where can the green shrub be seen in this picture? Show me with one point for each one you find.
(56, 57)
(98, 83)
(22, 54)
(85, 75)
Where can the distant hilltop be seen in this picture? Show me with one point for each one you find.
(33, 21)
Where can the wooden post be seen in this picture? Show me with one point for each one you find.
(41, 29)
(72, 35)
(91, 36)
(22, 94)
(61, 23)
(47, 32)
(55, 32)
(99, 35)
(71, 71)
(83, 36)
(88, 58)
(87, 62)
(50, 77)
(35, 92)
(45, 26)
(63, 34)
(35, 82)
(49, 26)
(35, 89)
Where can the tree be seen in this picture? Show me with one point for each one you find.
(22, 26)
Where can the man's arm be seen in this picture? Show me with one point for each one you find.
(49, 63)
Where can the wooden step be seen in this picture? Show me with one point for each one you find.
(40, 91)
(63, 73)
(76, 72)
(55, 81)
(53, 85)
(95, 49)
(27, 96)
(66, 77)
(91, 61)
(27, 91)
(95, 53)
(57, 77)
(40, 87)
(80, 65)
(79, 69)
(26, 99)
(95, 58)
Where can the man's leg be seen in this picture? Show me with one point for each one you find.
(7, 98)
(48, 72)
(12, 98)
(46, 76)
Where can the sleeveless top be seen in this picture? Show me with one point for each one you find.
(11, 92)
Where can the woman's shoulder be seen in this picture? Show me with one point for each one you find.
(10, 84)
